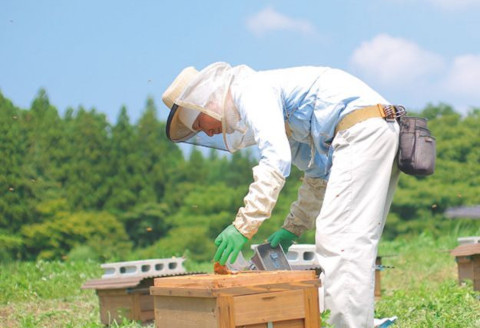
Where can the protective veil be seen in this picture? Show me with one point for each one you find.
(209, 93)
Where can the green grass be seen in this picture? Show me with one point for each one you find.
(48, 294)
(422, 289)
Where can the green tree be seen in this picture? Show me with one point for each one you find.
(197, 167)
(87, 167)
(14, 210)
(124, 178)
(55, 238)
(147, 223)
(159, 156)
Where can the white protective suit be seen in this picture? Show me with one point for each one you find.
(358, 164)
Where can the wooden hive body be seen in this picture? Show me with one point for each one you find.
(248, 299)
(133, 303)
(467, 257)
(124, 290)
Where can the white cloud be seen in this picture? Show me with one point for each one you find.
(463, 78)
(395, 61)
(404, 67)
(269, 20)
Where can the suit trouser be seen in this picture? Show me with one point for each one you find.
(360, 189)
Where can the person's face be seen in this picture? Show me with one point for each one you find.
(207, 124)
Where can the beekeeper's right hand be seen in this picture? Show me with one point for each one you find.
(283, 237)
(229, 242)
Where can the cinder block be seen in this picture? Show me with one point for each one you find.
(469, 240)
(302, 255)
(152, 267)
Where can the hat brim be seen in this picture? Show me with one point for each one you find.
(176, 130)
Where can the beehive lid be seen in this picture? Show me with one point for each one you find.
(466, 250)
(208, 285)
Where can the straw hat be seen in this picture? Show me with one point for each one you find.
(180, 120)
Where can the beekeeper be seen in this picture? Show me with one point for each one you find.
(329, 124)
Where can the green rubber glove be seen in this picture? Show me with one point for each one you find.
(283, 237)
(229, 241)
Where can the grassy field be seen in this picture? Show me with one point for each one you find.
(421, 290)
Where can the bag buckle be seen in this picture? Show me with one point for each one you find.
(392, 112)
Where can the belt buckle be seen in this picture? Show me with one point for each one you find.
(392, 112)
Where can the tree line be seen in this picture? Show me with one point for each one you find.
(77, 186)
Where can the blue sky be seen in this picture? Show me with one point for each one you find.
(104, 54)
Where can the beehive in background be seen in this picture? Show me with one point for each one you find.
(467, 256)
(123, 290)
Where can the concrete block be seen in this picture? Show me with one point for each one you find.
(469, 240)
(302, 255)
(152, 267)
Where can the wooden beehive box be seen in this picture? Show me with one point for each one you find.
(467, 257)
(256, 299)
(124, 289)
(123, 298)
